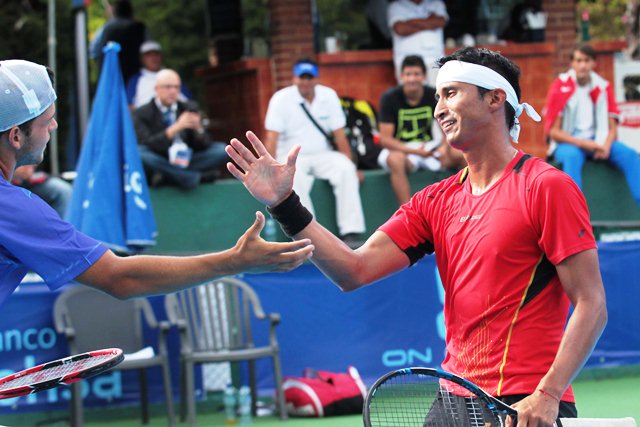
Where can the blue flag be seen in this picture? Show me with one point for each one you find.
(110, 199)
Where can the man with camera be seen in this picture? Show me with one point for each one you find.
(174, 145)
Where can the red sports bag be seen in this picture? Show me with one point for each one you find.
(322, 393)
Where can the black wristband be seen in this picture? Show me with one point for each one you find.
(292, 216)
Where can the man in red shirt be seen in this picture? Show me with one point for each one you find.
(581, 121)
(512, 239)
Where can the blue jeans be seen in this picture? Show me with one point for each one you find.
(210, 159)
(621, 156)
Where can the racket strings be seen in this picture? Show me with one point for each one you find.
(426, 401)
(474, 411)
(57, 371)
(449, 404)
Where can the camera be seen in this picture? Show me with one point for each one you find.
(191, 106)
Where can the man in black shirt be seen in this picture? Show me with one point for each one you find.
(126, 31)
(410, 136)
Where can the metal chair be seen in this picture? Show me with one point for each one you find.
(215, 326)
(91, 320)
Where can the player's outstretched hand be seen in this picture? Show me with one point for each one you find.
(256, 255)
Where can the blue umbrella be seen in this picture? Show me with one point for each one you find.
(110, 199)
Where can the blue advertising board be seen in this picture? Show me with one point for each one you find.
(28, 338)
(393, 323)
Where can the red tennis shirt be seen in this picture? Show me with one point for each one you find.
(505, 309)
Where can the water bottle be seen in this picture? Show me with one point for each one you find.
(244, 402)
(270, 229)
(229, 401)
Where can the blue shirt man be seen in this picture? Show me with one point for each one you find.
(35, 238)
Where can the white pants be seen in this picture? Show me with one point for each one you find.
(341, 173)
(417, 162)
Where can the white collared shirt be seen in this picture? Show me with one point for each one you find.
(286, 116)
(427, 43)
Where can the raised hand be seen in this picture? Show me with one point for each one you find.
(268, 181)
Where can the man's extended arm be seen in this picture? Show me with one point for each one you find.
(126, 277)
(271, 183)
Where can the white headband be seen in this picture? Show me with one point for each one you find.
(479, 75)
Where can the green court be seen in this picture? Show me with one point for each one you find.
(606, 398)
(597, 398)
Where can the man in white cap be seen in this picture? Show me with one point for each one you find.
(35, 238)
(310, 112)
(141, 87)
(511, 235)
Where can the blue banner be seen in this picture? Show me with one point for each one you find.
(396, 322)
(28, 338)
(111, 200)
(620, 342)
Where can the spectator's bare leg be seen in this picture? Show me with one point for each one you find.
(398, 166)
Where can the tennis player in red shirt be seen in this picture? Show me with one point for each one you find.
(511, 236)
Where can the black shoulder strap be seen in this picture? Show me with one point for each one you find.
(317, 125)
(520, 163)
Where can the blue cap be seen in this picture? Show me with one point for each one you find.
(305, 68)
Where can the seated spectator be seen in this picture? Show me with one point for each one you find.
(310, 114)
(410, 136)
(141, 86)
(581, 120)
(53, 190)
(173, 143)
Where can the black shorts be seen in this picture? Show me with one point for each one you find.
(443, 411)
(567, 409)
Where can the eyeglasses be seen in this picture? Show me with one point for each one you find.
(169, 86)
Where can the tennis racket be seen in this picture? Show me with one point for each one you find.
(61, 371)
(425, 397)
